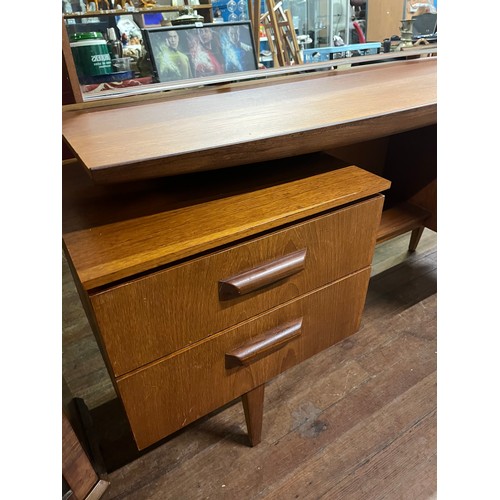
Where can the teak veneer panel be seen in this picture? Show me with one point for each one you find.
(142, 240)
(160, 305)
(165, 396)
(77, 469)
(241, 125)
(399, 220)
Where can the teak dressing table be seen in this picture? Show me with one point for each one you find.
(202, 282)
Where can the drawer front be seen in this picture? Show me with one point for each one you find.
(156, 315)
(171, 393)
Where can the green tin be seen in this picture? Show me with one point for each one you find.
(91, 54)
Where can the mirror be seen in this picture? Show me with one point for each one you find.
(114, 48)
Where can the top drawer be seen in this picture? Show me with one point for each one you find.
(175, 307)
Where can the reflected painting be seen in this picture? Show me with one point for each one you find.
(184, 52)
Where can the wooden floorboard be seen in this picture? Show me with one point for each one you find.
(357, 421)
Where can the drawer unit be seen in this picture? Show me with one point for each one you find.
(169, 394)
(194, 305)
(173, 308)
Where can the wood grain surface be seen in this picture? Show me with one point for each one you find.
(159, 306)
(263, 345)
(253, 406)
(163, 397)
(106, 245)
(262, 275)
(357, 420)
(77, 469)
(242, 125)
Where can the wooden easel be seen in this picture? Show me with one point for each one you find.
(254, 14)
(280, 34)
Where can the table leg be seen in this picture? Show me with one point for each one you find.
(253, 405)
(415, 238)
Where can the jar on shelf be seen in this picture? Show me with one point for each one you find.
(91, 54)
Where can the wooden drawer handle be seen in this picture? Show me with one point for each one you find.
(264, 344)
(262, 275)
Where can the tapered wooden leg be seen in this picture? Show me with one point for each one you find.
(253, 404)
(415, 238)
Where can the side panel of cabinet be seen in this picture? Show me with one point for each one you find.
(384, 19)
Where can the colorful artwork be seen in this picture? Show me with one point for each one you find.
(183, 52)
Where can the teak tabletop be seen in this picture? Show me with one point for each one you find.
(115, 232)
(241, 124)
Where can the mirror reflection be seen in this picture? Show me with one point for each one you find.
(132, 44)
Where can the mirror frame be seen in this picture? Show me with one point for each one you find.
(259, 74)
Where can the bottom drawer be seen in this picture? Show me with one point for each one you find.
(169, 394)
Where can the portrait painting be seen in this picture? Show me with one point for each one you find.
(192, 51)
